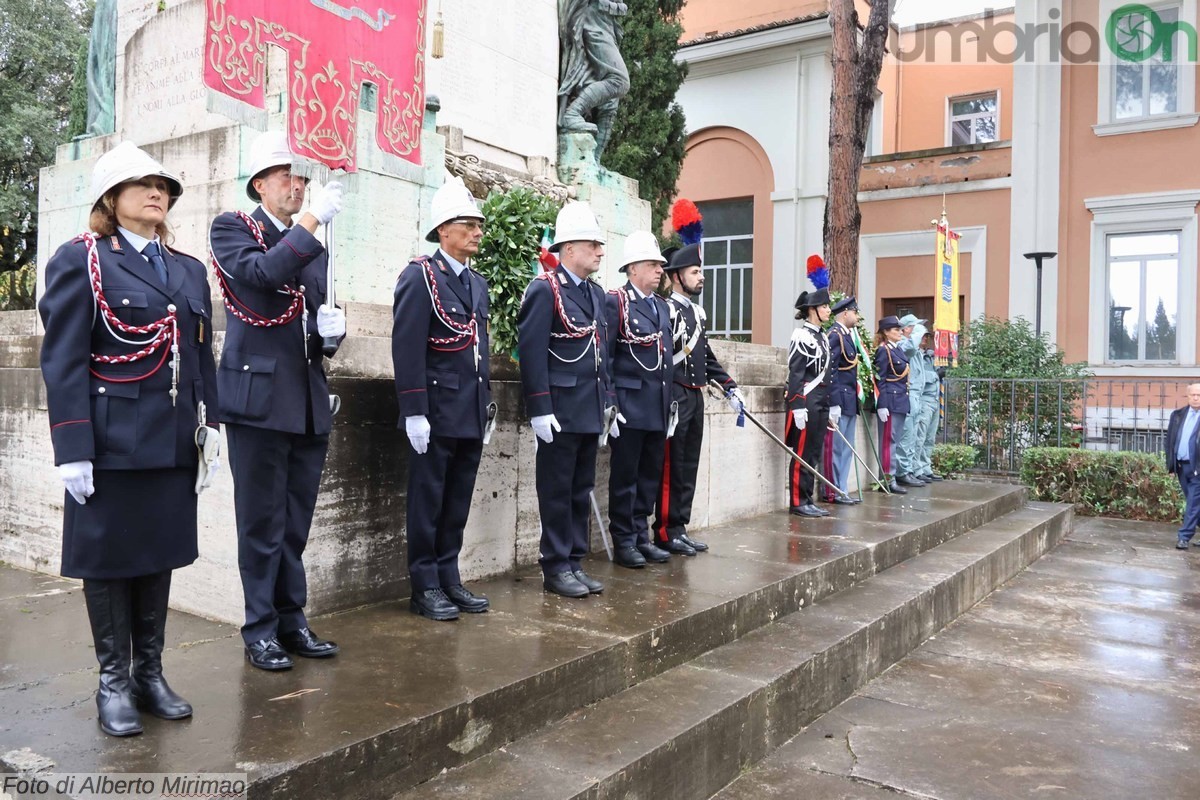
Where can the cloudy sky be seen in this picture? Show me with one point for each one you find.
(910, 12)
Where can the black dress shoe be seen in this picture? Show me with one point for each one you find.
(434, 604)
(808, 510)
(908, 480)
(629, 557)
(699, 547)
(268, 654)
(653, 554)
(679, 547)
(1182, 544)
(467, 601)
(846, 501)
(593, 586)
(933, 476)
(307, 644)
(565, 584)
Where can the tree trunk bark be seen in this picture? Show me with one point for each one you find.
(856, 71)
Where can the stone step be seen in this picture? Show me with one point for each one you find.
(693, 729)
(408, 698)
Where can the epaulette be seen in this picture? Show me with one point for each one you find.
(414, 260)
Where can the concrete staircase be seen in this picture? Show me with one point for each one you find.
(694, 726)
(669, 684)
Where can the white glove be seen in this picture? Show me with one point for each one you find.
(417, 428)
(800, 417)
(835, 415)
(331, 322)
(615, 430)
(327, 202)
(214, 467)
(77, 477)
(736, 401)
(544, 427)
(883, 414)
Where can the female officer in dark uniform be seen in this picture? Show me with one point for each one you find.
(891, 365)
(128, 364)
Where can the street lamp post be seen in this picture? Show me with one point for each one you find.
(1037, 259)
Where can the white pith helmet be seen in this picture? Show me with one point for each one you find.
(640, 246)
(127, 162)
(576, 223)
(453, 200)
(269, 150)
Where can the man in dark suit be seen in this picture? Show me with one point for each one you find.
(562, 337)
(1183, 459)
(694, 364)
(440, 355)
(640, 355)
(273, 393)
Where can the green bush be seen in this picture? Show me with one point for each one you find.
(1134, 486)
(515, 222)
(952, 459)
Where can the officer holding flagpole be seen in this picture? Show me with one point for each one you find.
(843, 395)
(275, 401)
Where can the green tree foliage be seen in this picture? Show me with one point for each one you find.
(39, 46)
(1012, 390)
(650, 132)
(515, 222)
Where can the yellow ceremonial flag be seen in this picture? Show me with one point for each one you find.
(945, 301)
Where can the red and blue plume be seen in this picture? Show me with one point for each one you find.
(818, 273)
(687, 222)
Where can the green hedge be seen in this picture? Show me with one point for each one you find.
(1134, 486)
(952, 459)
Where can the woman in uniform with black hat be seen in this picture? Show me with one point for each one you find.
(808, 397)
(891, 365)
(128, 365)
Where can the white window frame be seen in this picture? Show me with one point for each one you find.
(1185, 114)
(1143, 322)
(1143, 213)
(875, 129)
(950, 118)
(732, 272)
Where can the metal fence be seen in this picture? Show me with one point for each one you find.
(1002, 417)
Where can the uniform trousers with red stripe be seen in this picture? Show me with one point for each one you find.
(673, 511)
(890, 433)
(808, 444)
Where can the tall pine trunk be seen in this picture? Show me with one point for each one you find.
(856, 69)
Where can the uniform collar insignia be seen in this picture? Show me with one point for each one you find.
(115, 243)
(562, 279)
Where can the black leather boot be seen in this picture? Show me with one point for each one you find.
(110, 612)
(150, 689)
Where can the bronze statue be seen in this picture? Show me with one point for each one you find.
(592, 74)
(102, 70)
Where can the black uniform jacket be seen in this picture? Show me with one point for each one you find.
(843, 369)
(125, 423)
(642, 372)
(891, 365)
(566, 377)
(441, 379)
(700, 364)
(808, 361)
(272, 377)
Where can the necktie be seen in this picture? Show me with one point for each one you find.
(152, 252)
(465, 277)
(653, 307)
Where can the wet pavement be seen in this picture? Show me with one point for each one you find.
(408, 697)
(1078, 679)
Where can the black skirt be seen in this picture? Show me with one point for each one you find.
(138, 522)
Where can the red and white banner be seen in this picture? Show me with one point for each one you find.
(333, 47)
